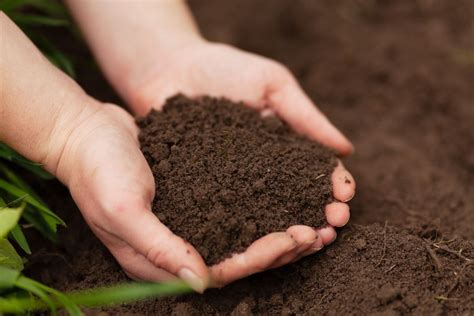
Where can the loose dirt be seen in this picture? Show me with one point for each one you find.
(226, 177)
(396, 77)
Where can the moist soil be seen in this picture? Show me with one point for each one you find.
(226, 177)
(396, 77)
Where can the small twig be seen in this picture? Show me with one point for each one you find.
(446, 241)
(319, 177)
(390, 269)
(458, 277)
(384, 244)
(323, 297)
(444, 298)
(456, 253)
(434, 257)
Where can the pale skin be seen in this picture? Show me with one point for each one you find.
(150, 50)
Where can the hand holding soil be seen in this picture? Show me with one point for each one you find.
(183, 62)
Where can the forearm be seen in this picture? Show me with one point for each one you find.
(127, 37)
(38, 103)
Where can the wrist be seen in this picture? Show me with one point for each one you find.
(68, 123)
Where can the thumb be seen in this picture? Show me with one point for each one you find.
(149, 237)
(291, 103)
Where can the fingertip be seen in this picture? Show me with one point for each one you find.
(302, 234)
(343, 183)
(328, 235)
(339, 141)
(346, 148)
(197, 283)
(337, 214)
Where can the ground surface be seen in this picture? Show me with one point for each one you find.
(226, 177)
(396, 77)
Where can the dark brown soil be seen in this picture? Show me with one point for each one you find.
(396, 77)
(226, 177)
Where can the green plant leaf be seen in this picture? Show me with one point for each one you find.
(35, 218)
(9, 5)
(19, 182)
(9, 218)
(9, 154)
(62, 299)
(8, 277)
(49, 7)
(29, 285)
(37, 20)
(9, 258)
(51, 219)
(124, 293)
(106, 296)
(11, 305)
(19, 237)
(62, 62)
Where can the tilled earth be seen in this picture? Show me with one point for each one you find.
(396, 77)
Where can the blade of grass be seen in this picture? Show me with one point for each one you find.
(51, 218)
(118, 294)
(33, 217)
(127, 293)
(10, 5)
(26, 284)
(24, 19)
(62, 62)
(62, 299)
(9, 154)
(19, 237)
(17, 181)
(50, 7)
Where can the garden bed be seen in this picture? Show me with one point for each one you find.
(396, 77)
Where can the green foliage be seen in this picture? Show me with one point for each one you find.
(10, 155)
(31, 16)
(13, 189)
(51, 299)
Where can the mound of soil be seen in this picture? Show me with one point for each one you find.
(226, 177)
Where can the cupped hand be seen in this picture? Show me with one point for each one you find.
(113, 186)
(203, 68)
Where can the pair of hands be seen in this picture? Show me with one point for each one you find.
(113, 185)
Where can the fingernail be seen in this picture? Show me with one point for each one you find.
(347, 200)
(192, 280)
(314, 249)
(317, 245)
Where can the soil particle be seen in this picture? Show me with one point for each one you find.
(227, 176)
